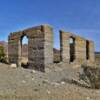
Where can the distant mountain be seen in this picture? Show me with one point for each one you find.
(57, 51)
(56, 55)
(3, 43)
(97, 52)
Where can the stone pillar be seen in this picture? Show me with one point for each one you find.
(48, 44)
(80, 45)
(19, 52)
(36, 53)
(91, 52)
(64, 47)
(13, 49)
(41, 47)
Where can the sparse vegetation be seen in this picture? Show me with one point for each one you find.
(2, 54)
(91, 75)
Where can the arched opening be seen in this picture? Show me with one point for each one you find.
(72, 48)
(24, 51)
(87, 50)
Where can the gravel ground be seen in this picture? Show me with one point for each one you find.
(26, 84)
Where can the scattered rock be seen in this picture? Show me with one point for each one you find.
(33, 71)
(32, 79)
(55, 84)
(88, 98)
(62, 83)
(13, 65)
(45, 81)
(23, 81)
(48, 92)
(36, 90)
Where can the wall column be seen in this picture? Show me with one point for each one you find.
(64, 47)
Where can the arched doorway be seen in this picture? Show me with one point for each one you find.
(72, 48)
(87, 50)
(24, 51)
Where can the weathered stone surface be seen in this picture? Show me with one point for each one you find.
(40, 43)
(78, 52)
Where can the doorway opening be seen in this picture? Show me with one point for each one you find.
(87, 50)
(24, 51)
(72, 48)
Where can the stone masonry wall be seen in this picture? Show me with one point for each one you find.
(40, 48)
(40, 43)
(13, 49)
(80, 49)
(64, 46)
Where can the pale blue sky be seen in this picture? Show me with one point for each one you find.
(79, 16)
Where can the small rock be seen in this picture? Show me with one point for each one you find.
(88, 98)
(36, 90)
(32, 79)
(48, 92)
(62, 83)
(13, 65)
(24, 81)
(56, 84)
(33, 71)
(46, 81)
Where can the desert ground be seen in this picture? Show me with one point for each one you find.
(54, 84)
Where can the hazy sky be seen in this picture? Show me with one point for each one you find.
(79, 16)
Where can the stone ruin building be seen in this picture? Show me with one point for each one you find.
(73, 49)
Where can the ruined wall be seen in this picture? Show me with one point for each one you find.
(79, 52)
(40, 43)
(40, 48)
